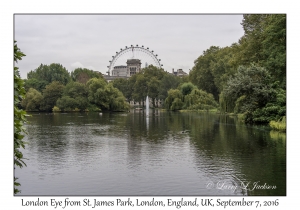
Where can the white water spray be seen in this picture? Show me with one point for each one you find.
(147, 106)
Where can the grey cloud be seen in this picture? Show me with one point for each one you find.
(93, 39)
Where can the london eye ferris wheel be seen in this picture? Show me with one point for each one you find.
(144, 54)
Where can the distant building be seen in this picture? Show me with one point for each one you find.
(133, 66)
(179, 73)
(119, 71)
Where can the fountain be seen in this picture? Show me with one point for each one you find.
(147, 113)
(147, 106)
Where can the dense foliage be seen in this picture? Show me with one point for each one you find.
(151, 81)
(249, 77)
(32, 100)
(83, 75)
(106, 96)
(74, 97)
(251, 89)
(189, 97)
(84, 90)
(50, 73)
(19, 115)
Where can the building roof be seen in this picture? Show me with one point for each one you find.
(120, 67)
(133, 61)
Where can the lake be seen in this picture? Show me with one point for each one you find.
(167, 153)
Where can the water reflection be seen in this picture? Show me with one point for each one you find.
(168, 153)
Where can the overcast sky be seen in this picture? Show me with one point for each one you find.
(90, 41)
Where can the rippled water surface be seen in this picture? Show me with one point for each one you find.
(168, 153)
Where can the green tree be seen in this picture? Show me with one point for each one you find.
(201, 74)
(274, 110)
(199, 100)
(174, 101)
(264, 43)
(50, 73)
(125, 86)
(252, 48)
(75, 89)
(148, 82)
(116, 100)
(93, 85)
(251, 89)
(19, 116)
(153, 71)
(32, 100)
(106, 96)
(66, 103)
(75, 95)
(36, 84)
(186, 88)
(274, 47)
(223, 66)
(140, 88)
(82, 75)
(153, 89)
(168, 82)
(51, 93)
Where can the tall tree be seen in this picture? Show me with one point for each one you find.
(50, 73)
(140, 88)
(106, 96)
(51, 93)
(251, 89)
(201, 74)
(169, 81)
(253, 36)
(82, 75)
(274, 47)
(32, 100)
(75, 95)
(153, 89)
(36, 84)
(174, 101)
(264, 43)
(125, 86)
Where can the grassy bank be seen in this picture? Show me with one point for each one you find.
(279, 125)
